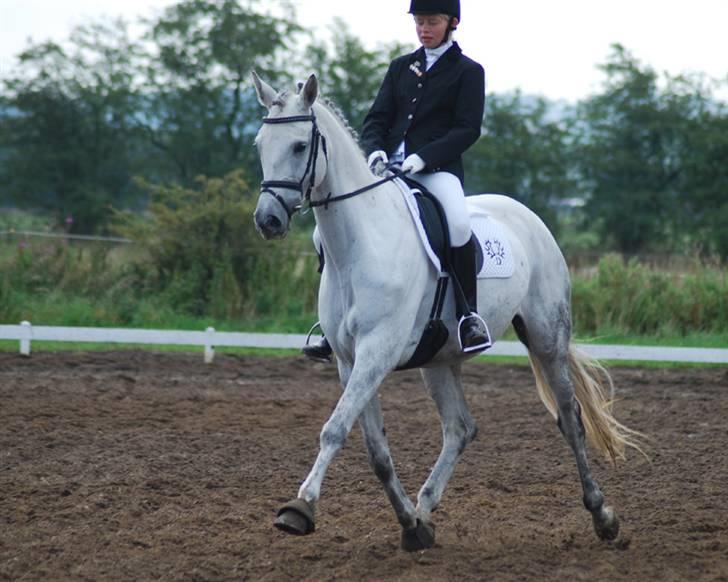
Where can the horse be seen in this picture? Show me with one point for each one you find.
(375, 295)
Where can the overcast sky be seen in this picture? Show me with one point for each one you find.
(547, 47)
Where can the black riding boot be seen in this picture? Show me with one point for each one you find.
(474, 335)
(320, 351)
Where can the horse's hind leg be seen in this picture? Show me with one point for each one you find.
(372, 426)
(458, 430)
(550, 345)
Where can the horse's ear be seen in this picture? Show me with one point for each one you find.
(266, 93)
(309, 92)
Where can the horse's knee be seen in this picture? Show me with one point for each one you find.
(333, 435)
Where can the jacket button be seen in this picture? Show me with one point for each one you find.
(410, 116)
(414, 100)
(419, 85)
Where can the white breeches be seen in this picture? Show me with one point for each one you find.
(449, 191)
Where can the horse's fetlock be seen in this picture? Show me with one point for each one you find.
(472, 433)
(593, 500)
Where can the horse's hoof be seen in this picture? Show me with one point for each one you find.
(606, 524)
(420, 537)
(296, 517)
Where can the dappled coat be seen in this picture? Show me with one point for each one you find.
(438, 113)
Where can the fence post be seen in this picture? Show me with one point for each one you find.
(210, 345)
(26, 334)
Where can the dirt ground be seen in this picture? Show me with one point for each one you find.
(138, 465)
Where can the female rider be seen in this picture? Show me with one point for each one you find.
(428, 111)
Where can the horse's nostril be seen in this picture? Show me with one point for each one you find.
(272, 223)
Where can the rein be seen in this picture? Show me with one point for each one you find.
(317, 140)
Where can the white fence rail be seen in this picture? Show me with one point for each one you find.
(64, 236)
(25, 333)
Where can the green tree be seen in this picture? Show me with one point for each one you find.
(65, 125)
(198, 106)
(350, 74)
(649, 155)
(196, 242)
(703, 183)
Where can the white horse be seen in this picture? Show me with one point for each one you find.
(375, 297)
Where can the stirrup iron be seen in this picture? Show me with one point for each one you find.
(478, 347)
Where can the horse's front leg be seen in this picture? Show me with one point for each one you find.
(458, 430)
(373, 363)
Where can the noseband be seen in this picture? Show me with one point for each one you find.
(317, 140)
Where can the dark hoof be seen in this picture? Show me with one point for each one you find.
(606, 524)
(296, 517)
(420, 537)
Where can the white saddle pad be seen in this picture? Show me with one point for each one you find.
(497, 256)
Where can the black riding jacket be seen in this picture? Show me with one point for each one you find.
(438, 113)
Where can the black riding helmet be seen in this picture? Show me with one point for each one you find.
(449, 7)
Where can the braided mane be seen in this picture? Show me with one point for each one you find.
(333, 108)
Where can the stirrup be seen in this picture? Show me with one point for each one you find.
(478, 347)
(310, 332)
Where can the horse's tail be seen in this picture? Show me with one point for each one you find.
(590, 380)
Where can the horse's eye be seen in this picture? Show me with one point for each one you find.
(300, 147)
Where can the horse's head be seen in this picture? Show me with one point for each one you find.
(292, 153)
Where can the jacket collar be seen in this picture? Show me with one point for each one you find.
(452, 54)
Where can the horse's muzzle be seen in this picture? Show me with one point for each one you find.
(269, 225)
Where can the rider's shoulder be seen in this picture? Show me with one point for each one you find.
(464, 60)
(406, 59)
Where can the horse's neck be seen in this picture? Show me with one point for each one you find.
(347, 227)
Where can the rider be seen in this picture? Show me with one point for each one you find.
(429, 110)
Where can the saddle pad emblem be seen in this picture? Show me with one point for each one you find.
(496, 248)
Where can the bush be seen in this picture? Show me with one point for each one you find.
(195, 243)
(632, 298)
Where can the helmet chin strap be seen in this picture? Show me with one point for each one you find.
(448, 32)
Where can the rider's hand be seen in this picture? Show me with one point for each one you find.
(413, 164)
(378, 162)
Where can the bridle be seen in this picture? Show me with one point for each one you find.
(318, 141)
